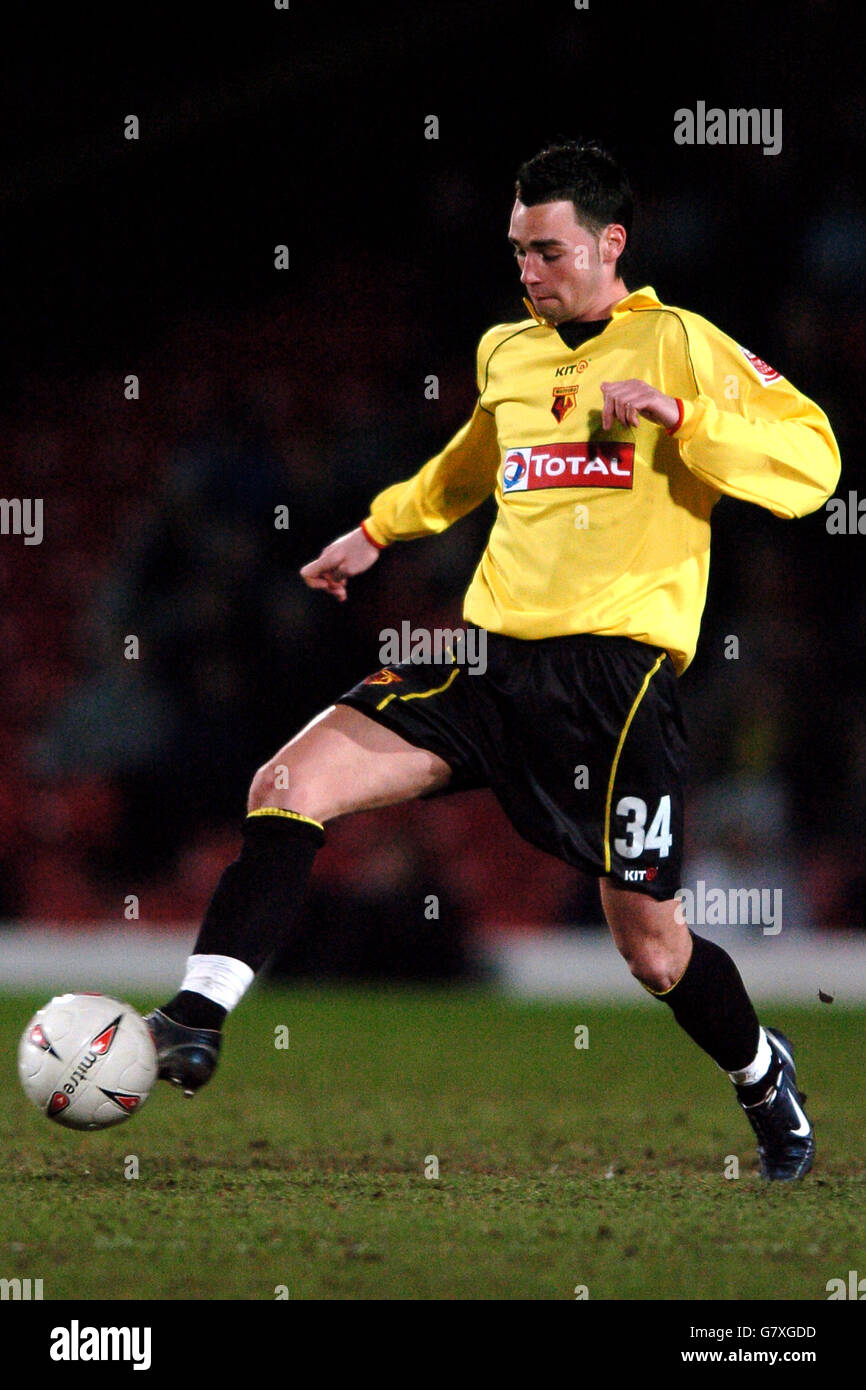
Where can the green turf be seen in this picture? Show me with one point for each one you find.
(558, 1167)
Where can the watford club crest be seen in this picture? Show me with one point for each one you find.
(563, 401)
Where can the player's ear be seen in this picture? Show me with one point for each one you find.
(612, 242)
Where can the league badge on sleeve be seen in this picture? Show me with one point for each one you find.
(766, 373)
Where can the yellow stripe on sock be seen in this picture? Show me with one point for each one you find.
(619, 747)
(278, 811)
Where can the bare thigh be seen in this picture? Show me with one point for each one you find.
(342, 762)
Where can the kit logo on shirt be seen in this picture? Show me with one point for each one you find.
(764, 370)
(568, 465)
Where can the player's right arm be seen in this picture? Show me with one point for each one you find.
(447, 487)
(345, 557)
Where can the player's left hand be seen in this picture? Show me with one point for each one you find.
(627, 400)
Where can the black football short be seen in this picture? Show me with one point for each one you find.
(581, 739)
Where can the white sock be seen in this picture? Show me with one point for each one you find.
(221, 979)
(759, 1068)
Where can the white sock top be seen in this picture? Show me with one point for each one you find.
(757, 1069)
(221, 979)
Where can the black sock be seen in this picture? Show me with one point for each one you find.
(194, 1010)
(255, 902)
(710, 1002)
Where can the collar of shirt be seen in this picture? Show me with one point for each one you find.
(579, 330)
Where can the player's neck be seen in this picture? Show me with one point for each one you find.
(602, 305)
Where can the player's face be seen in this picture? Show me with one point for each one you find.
(563, 266)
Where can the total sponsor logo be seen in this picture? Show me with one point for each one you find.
(568, 465)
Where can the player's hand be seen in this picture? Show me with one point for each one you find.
(348, 555)
(627, 400)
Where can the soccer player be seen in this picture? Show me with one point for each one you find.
(607, 427)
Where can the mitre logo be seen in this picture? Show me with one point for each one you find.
(599, 464)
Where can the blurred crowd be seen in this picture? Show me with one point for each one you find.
(125, 763)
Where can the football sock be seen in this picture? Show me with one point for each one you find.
(194, 1010)
(219, 979)
(709, 1001)
(758, 1069)
(253, 907)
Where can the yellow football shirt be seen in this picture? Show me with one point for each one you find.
(608, 531)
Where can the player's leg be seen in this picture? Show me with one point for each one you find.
(705, 992)
(695, 977)
(341, 762)
(591, 767)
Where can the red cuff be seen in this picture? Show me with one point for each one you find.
(673, 429)
(370, 538)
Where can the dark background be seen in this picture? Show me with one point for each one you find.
(305, 387)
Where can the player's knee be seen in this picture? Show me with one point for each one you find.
(261, 791)
(654, 957)
(277, 783)
(649, 936)
(654, 967)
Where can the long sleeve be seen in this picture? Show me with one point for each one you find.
(449, 485)
(751, 434)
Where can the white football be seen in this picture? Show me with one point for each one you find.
(87, 1061)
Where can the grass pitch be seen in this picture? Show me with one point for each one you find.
(308, 1170)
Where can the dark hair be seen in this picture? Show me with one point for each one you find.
(580, 172)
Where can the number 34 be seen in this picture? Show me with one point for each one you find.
(637, 838)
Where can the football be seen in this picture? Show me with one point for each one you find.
(87, 1061)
